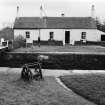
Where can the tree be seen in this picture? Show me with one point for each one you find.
(99, 25)
(7, 33)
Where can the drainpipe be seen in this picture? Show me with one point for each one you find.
(39, 39)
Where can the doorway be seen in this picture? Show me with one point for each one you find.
(67, 37)
(102, 37)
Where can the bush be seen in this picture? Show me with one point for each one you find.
(19, 42)
(49, 42)
(100, 43)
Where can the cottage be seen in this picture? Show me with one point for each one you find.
(67, 30)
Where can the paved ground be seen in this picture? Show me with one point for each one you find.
(68, 93)
(54, 73)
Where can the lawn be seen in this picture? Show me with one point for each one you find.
(14, 91)
(89, 49)
(90, 86)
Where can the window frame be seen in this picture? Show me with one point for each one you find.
(27, 34)
(83, 35)
(51, 37)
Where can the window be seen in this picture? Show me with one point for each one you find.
(83, 36)
(51, 35)
(27, 34)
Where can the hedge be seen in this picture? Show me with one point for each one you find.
(55, 61)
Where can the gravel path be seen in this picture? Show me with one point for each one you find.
(69, 96)
(54, 73)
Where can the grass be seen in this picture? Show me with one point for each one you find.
(90, 86)
(89, 49)
(14, 91)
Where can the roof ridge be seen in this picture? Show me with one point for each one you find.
(54, 17)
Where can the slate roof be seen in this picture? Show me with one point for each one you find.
(54, 23)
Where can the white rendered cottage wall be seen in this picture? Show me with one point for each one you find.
(75, 34)
(91, 35)
(59, 34)
(33, 34)
(99, 34)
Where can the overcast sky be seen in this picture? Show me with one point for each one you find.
(72, 8)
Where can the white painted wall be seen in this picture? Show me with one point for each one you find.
(91, 35)
(99, 34)
(59, 34)
(75, 34)
(33, 34)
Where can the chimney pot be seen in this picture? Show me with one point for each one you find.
(17, 11)
(93, 11)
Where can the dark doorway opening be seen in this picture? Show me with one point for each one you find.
(67, 37)
(102, 37)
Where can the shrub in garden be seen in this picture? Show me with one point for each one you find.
(19, 41)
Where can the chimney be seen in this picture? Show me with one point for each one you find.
(62, 14)
(43, 17)
(93, 11)
(45, 22)
(41, 10)
(17, 14)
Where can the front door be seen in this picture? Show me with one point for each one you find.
(67, 37)
(102, 37)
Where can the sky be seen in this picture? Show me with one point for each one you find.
(71, 8)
